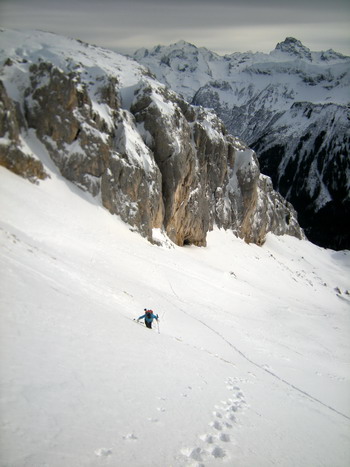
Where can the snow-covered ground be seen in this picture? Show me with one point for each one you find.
(251, 366)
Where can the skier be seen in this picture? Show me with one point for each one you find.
(149, 317)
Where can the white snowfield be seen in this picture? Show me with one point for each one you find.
(250, 368)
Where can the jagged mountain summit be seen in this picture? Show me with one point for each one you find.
(291, 106)
(161, 164)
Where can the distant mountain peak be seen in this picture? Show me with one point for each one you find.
(293, 46)
(182, 43)
(291, 105)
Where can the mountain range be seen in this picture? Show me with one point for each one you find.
(105, 175)
(291, 106)
(149, 156)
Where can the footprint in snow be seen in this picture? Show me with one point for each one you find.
(224, 437)
(231, 417)
(130, 437)
(210, 439)
(225, 415)
(193, 453)
(218, 452)
(215, 424)
(207, 438)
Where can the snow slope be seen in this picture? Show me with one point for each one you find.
(250, 368)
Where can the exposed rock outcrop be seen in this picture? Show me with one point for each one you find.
(153, 159)
(91, 151)
(13, 153)
(291, 106)
(208, 177)
(58, 106)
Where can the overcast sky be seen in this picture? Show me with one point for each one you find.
(224, 26)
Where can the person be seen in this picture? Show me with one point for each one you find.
(149, 317)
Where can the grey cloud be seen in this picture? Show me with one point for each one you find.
(182, 13)
(129, 24)
(268, 3)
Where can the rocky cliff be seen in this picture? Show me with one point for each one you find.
(113, 130)
(291, 106)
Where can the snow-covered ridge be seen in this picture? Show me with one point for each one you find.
(186, 68)
(68, 55)
(115, 131)
(291, 106)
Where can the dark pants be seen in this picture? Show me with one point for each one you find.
(148, 324)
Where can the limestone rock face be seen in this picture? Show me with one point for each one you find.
(13, 154)
(272, 214)
(61, 112)
(291, 106)
(132, 184)
(90, 151)
(151, 158)
(186, 215)
(208, 177)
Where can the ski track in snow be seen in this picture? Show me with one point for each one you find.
(261, 367)
(267, 370)
(78, 295)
